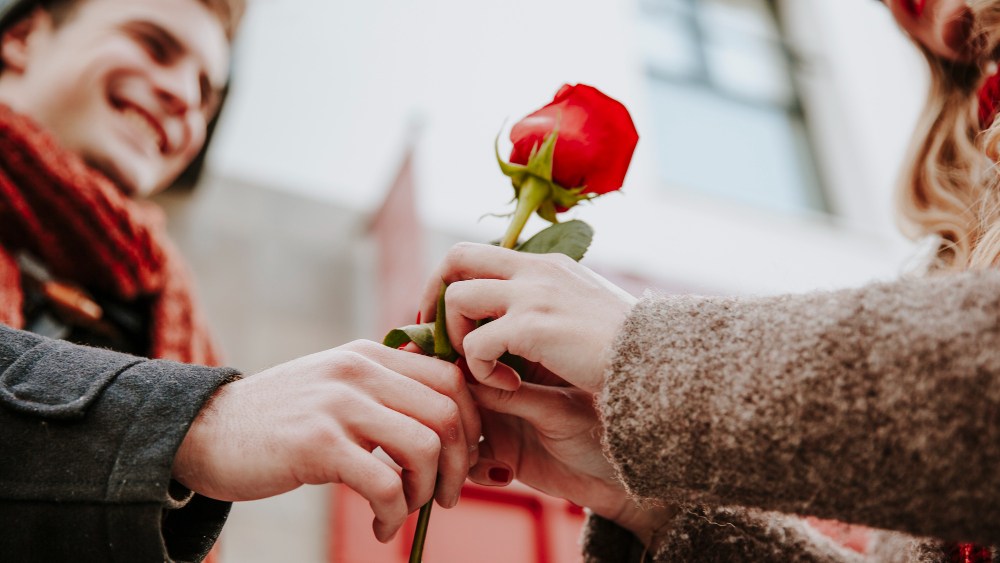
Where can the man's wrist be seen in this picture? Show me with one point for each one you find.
(187, 467)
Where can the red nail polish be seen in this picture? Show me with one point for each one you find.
(499, 474)
(418, 317)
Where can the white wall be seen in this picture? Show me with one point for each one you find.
(327, 93)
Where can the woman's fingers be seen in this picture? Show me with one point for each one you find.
(466, 261)
(533, 403)
(489, 470)
(491, 473)
(483, 347)
(469, 302)
(378, 484)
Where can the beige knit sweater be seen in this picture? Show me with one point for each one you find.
(878, 406)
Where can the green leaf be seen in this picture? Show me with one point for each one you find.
(422, 335)
(571, 238)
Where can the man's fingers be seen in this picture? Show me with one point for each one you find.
(411, 403)
(411, 445)
(444, 378)
(379, 485)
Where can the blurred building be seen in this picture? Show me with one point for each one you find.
(357, 147)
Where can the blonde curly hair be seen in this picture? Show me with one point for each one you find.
(951, 185)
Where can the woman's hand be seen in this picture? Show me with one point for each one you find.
(317, 419)
(546, 308)
(550, 438)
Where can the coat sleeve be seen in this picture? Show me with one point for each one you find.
(877, 406)
(88, 438)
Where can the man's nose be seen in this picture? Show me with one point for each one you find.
(178, 88)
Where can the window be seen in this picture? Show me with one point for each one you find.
(726, 116)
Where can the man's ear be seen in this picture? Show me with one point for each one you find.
(15, 41)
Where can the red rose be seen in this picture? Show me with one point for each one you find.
(595, 144)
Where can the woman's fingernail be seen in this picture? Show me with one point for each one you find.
(499, 474)
(418, 317)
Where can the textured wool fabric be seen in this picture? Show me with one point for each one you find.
(878, 406)
(87, 442)
(709, 535)
(87, 232)
(705, 534)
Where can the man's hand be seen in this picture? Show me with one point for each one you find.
(317, 420)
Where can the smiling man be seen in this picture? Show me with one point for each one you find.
(135, 97)
(107, 456)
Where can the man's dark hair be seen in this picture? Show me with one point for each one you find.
(229, 12)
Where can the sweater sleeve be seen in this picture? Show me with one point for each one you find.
(88, 441)
(877, 406)
(707, 534)
(704, 534)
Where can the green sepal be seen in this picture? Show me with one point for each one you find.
(571, 238)
(539, 166)
(568, 198)
(547, 211)
(422, 335)
(540, 159)
(516, 172)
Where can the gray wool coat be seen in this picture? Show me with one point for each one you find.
(878, 406)
(87, 441)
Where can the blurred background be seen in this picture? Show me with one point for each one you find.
(357, 146)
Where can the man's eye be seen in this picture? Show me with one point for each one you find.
(156, 49)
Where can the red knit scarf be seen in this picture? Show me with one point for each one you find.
(85, 231)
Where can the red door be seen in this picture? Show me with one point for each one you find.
(501, 525)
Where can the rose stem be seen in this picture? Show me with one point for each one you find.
(444, 351)
(420, 534)
(442, 345)
(533, 192)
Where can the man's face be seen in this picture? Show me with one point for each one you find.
(129, 85)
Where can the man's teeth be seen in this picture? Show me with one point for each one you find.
(142, 124)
